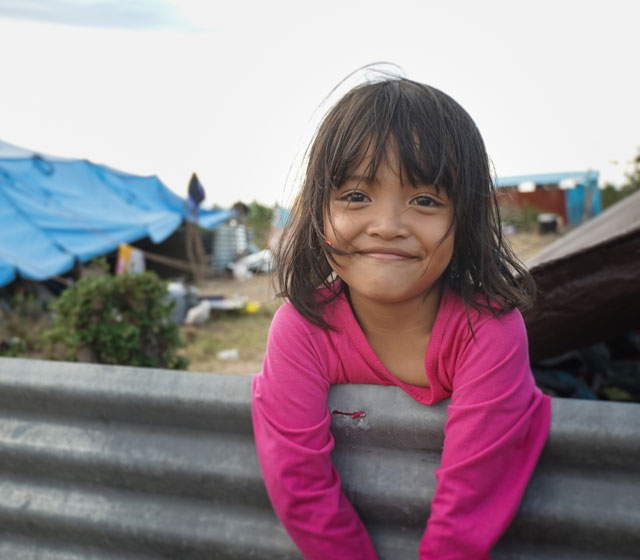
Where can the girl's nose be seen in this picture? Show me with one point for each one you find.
(387, 223)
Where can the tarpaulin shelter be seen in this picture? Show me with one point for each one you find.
(588, 283)
(55, 210)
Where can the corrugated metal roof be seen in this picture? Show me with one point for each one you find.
(124, 463)
(618, 221)
(581, 177)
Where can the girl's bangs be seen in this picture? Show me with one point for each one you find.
(421, 159)
(397, 126)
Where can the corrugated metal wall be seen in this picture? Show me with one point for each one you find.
(122, 463)
(547, 200)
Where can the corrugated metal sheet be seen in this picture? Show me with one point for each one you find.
(122, 463)
(548, 178)
(573, 205)
(617, 222)
(550, 200)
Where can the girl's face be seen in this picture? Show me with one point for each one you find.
(398, 235)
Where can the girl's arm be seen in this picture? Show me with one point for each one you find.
(497, 424)
(291, 425)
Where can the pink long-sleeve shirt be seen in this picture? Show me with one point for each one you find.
(497, 424)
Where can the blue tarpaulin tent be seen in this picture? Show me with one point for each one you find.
(56, 210)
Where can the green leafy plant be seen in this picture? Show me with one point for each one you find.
(22, 319)
(259, 220)
(523, 218)
(13, 348)
(116, 320)
(611, 194)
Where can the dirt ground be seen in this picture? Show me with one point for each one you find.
(247, 333)
(258, 288)
(243, 335)
(527, 245)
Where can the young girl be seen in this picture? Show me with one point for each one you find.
(396, 273)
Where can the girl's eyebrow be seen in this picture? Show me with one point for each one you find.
(430, 187)
(356, 177)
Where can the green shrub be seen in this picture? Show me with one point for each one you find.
(22, 320)
(523, 218)
(14, 347)
(116, 320)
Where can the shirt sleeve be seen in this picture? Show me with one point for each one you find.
(291, 426)
(497, 424)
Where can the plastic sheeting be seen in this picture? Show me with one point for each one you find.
(55, 210)
(588, 283)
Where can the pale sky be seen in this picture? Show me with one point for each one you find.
(231, 90)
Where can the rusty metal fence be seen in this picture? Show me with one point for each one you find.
(100, 462)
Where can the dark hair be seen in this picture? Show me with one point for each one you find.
(436, 142)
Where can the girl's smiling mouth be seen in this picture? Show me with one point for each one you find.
(386, 254)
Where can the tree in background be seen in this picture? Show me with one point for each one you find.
(259, 220)
(611, 195)
(633, 178)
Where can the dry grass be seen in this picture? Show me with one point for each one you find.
(232, 329)
(527, 245)
(245, 332)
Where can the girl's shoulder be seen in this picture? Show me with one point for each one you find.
(296, 345)
(482, 346)
(490, 319)
(330, 302)
(289, 319)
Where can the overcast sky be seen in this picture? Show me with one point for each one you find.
(231, 90)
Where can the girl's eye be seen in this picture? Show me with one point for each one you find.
(424, 200)
(354, 196)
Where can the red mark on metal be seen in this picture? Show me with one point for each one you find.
(354, 415)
